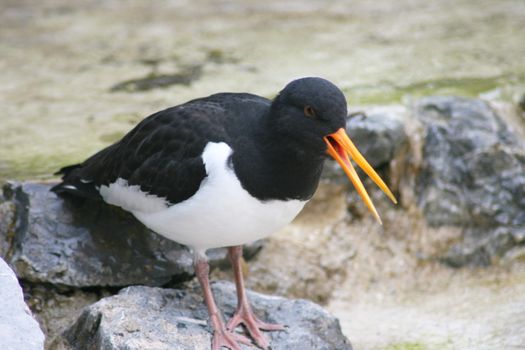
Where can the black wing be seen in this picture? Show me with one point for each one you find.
(162, 154)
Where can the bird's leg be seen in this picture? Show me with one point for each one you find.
(244, 313)
(221, 337)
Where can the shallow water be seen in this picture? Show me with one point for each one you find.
(61, 63)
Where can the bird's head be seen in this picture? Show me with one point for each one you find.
(312, 112)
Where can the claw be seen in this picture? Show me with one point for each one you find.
(245, 316)
(229, 340)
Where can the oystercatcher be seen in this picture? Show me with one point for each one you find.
(222, 171)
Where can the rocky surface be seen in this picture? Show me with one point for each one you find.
(472, 176)
(77, 243)
(154, 318)
(18, 329)
(379, 133)
(56, 308)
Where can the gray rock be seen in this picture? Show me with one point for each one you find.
(154, 318)
(473, 175)
(378, 135)
(18, 329)
(57, 309)
(81, 243)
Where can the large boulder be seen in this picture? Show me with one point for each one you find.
(472, 176)
(18, 328)
(81, 243)
(154, 318)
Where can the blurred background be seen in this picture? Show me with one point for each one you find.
(69, 67)
(76, 76)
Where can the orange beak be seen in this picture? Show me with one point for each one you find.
(339, 147)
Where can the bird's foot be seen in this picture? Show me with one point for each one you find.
(227, 339)
(254, 326)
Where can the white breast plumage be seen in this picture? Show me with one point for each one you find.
(221, 213)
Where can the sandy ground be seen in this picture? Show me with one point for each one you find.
(467, 310)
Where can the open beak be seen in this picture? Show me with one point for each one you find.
(339, 147)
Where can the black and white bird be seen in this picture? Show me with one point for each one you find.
(222, 171)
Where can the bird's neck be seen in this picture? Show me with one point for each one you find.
(276, 167)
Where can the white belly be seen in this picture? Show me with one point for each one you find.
(221, 213)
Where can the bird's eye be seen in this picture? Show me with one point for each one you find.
(309, 111)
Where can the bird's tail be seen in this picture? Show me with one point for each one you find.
(73, 184)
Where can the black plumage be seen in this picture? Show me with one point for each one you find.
(272, 143)
(162, 154)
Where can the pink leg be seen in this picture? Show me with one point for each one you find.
(221, 337)
(244, 313)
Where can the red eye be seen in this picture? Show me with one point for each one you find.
(309, 111)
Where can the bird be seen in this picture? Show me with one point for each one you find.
(223, 171)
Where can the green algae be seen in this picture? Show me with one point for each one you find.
(111, 137)
(406, 346)
(466, 87)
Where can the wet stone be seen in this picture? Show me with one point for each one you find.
(378, 135)
(146, 317)
(473, 176)
(73, 242)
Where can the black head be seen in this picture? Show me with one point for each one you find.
(307, 110)
(310, 114)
